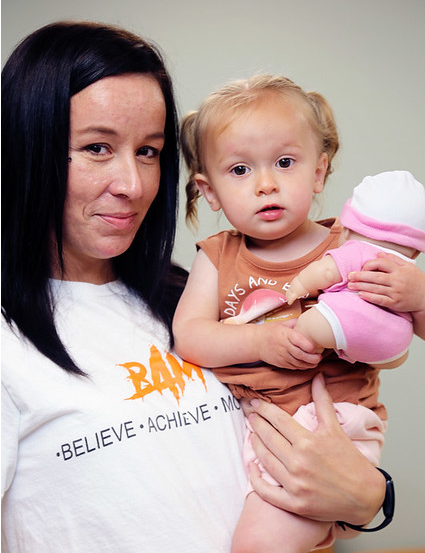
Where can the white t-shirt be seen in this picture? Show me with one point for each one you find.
(142, 455)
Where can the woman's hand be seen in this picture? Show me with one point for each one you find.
(322, 474)
(390, 281)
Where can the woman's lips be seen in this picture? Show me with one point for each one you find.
(121, 221)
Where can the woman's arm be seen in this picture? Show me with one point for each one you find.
(323, 475)
(392, 282)
(200, 338)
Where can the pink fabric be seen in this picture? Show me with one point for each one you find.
(365, 429)
(362, 426)
(359, 319)
(397, 233)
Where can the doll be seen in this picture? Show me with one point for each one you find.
(386, 212)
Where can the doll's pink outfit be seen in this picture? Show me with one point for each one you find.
(354, 321)
(389, 208)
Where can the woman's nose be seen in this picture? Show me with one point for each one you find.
(127, 181)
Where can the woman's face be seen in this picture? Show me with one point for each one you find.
(116, 136)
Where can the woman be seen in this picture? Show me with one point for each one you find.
(110, 441)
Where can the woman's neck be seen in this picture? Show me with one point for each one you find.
(97, 272)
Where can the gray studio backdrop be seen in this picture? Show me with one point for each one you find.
(367, 58)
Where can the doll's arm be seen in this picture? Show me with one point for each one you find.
(317, 276)
(391, 282)
(200, 338)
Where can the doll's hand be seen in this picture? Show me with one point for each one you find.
(281, 346)
(296, 290)
(392, 282)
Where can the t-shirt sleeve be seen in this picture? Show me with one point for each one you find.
(213, 247)
(10, 417)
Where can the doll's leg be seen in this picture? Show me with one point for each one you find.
(313, 325)
(393, 364)
(263, 528)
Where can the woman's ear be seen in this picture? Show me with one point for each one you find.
(207, 191)
(320, 173)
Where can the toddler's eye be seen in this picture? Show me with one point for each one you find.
(285, 162)
(240, 170)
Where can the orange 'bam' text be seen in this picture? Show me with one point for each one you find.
(166, 374)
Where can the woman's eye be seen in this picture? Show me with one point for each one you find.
(148, 151)
(97, 149)
(240, 170)
(285, 162)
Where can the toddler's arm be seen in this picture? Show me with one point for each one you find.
(200, 338)
(317, 276)
(392, 282)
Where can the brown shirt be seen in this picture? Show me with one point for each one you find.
(239, 273)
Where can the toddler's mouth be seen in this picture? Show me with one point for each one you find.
(270, 208)
(271, 212)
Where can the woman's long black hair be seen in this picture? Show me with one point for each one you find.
(38, 81)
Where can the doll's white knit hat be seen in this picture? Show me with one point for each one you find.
(389, 207)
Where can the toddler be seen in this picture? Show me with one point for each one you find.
(260, 150)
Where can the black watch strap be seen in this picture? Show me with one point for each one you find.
(387, 507)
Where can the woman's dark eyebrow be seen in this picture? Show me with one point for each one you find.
(100, 130)
(113, 132)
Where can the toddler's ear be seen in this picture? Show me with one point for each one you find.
(207, 191)
(320, 173)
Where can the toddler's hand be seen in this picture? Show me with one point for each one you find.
(284, 347)
(390, 281)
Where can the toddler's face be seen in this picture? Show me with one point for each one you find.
(264, 168)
